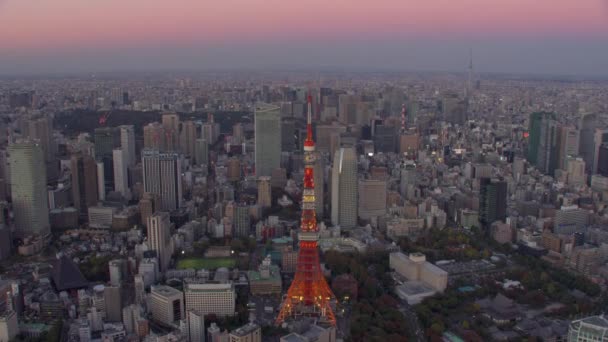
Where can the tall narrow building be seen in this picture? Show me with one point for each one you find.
(159, 238)
(106, 140)
(267, 139)
(84, 183)
(127, 143)
(568, 140)
(201, 152)
(28, 189)
(187, 138)
(171, 125)
(121, 177)
(344, 188)
(162, 176)
(492, 201)
(588, 124)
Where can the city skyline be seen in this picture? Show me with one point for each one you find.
(558, 37)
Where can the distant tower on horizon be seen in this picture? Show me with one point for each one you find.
(469, 88)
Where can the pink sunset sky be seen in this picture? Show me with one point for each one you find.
(31, 29)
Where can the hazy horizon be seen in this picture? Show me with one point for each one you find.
(560, 37)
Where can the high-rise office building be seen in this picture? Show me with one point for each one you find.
(196, 326)
(547, 156)
(534, 129)
(28, 189)
(589, 329)
(201, 152)
(162, 176)
(159, 238)
(267, 139)
(154, 137)
(372, 198)
(171, 125)
(166, 305)
(568, 141)
(106, 140)
(187, 138)
(576, 171)
(121, 176)
(344, 188)
(84, 182)
(241, 221)
(40, 129)
(600, 137)
(602, 160)
(264, 192)
(148, 205)
(588, 124)
(113, 299)
(210, 298)
(127, 143)
(492, 201)
(233, 172)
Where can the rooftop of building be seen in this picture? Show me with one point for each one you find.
(245, 329)
(166, 291)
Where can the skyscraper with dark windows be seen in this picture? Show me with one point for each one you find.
(492, 201)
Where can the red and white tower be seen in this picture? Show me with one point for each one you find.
(309, 293)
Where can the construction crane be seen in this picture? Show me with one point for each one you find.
(104, 118)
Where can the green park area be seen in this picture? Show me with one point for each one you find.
(198, 263)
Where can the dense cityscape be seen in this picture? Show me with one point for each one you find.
(303, 171)
(289, 207)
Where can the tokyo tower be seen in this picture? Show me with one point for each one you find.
(309, 294)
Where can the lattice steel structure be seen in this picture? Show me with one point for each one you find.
(309, 293)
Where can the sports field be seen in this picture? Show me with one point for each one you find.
(206, 263)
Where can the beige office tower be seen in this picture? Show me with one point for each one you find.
(319, 179)
(267, 139)
(196, 326)
(372, 198)
(127, 143)
(171, 125)
(148, 205)
(344, 188)
(28, 189)
(187, 138)
(568, 145)
(121, 177)
(576, 171)
(233, 169)
(159, 238)
(166, 305)
(154, 137)
(264, 192)
(201, 152)
(210, 298)
(162, 176)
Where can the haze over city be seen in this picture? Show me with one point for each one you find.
(563, 37)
